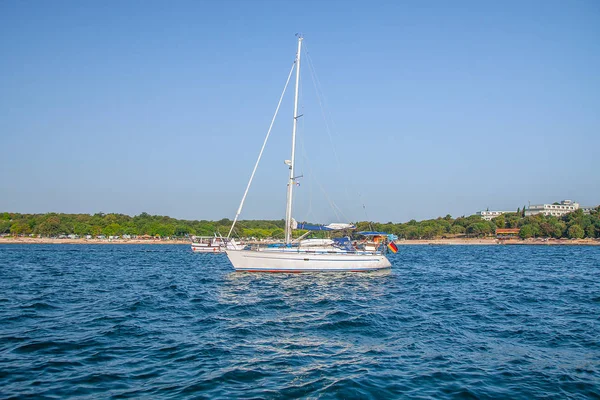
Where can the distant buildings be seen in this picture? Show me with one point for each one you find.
(586, 209)
(488, 215)
(556, 209)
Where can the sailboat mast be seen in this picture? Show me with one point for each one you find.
(291, 183)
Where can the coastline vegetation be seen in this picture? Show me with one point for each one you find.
(575, 225)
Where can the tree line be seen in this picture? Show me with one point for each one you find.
(55, 224)
(574, 225)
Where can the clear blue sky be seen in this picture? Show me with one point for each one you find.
(435, 107)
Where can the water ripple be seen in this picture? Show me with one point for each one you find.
(159, 321)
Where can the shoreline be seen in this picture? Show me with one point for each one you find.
(448, 242)
(501, 242)
(29, 240)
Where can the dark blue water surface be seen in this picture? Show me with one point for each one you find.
(93, 321)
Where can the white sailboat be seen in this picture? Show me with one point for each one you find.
(309, 255)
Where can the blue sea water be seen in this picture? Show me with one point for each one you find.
(157, 321)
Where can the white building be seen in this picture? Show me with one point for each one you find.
(488, 215)
(558, 210)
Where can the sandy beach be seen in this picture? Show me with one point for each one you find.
(493, 241)
(31, 240)
(451, 242)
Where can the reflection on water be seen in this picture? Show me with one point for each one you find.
(303, 291)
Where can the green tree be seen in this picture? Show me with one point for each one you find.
(428, 232)
(20, 228)
(499, 221)
(257, 233)
(278, 233)
(590, 231)
(182, 230)
(457, 230)
(164, 230)
(576, 232)
(112, 229)
(546, 229)
(511, 220)
(224, 222)
(411, 232)
(130, 230)
(51, 226)
(5, 226)
(479, 229)
(82, 229)
(527, 231)
(558, 229)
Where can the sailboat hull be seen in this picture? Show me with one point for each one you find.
(293, 262)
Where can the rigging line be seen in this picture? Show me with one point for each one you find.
(334, 207)
(309, 181)
(331, 203)
(239, 211)
(305, 160)
(319, 89)
(366, 216)
(321, 99)
(319, 94)
(340, 211)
